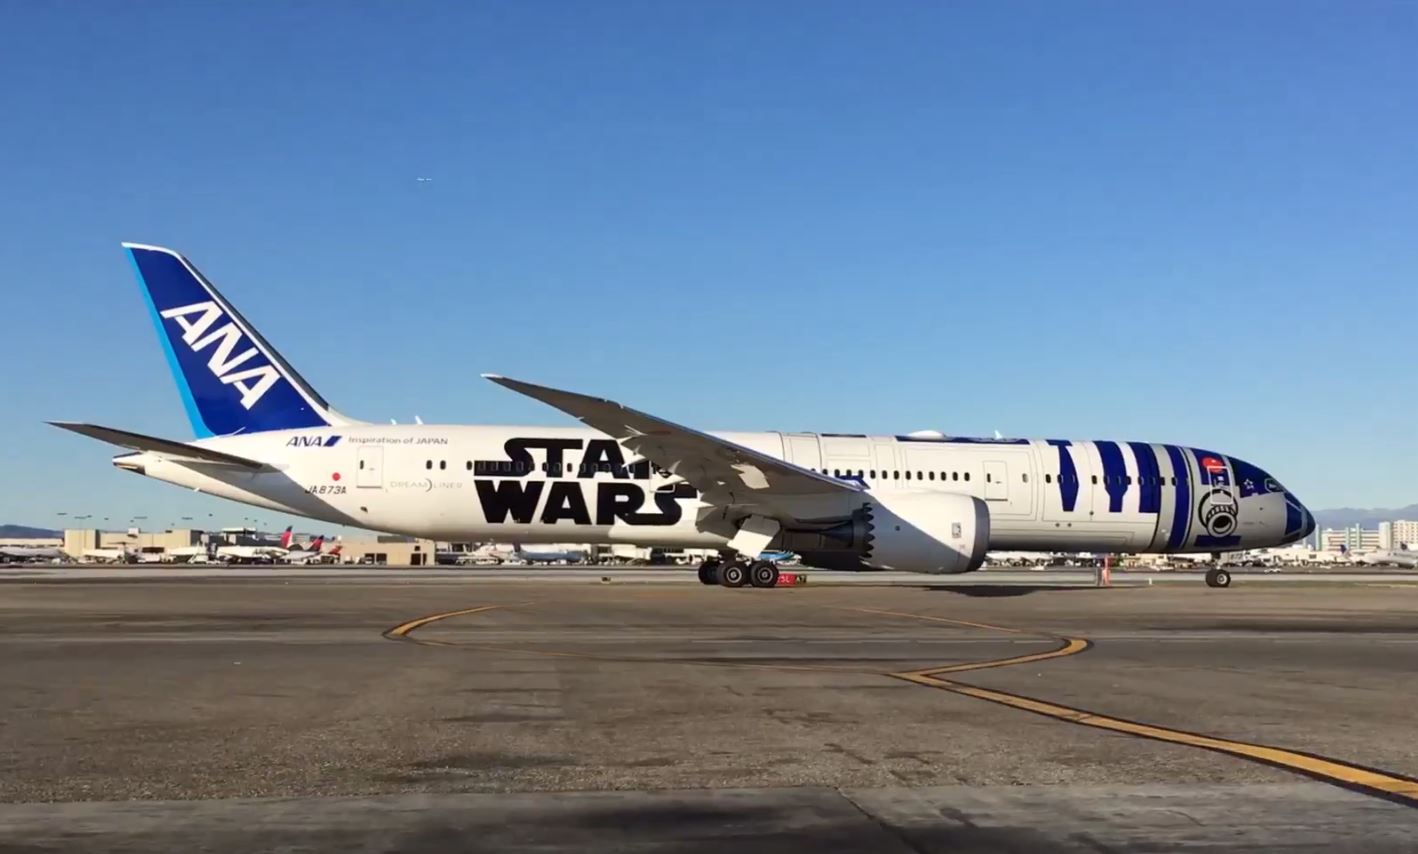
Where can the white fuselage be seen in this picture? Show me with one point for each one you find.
(558, 485)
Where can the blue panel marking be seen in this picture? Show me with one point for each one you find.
(1182, 512)
(1150, 498)
(330, 442)
(1068, 475)
(198, 427)
(1208, 475)
(1251, 479)
(1114, 474)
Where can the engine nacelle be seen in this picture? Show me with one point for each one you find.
(910, 531)
(926, 532)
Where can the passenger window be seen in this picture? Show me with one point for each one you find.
(873, 474)
(361, 464)
(967, 475)
(908, 474)
(442, 465)
(1026, 478)
(1128, 480)
(895, 475)
(859, 472)
(989, 478)
(1048, 478)
(955, 475)
(428, 464)
(931, 475)
(1095, 480)
(836, 472)
(470, 465)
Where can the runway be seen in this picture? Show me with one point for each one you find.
(391, 711)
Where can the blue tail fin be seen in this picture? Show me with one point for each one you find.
(230, 379)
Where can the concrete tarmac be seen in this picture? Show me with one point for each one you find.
(384, 713)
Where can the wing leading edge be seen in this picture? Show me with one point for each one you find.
(710, 464)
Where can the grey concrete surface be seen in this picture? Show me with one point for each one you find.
(188, 690)
(1294, 817)
(685, 575)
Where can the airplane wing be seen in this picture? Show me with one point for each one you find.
(710, 464)
(177, 451)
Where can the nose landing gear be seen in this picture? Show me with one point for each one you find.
(1216, 576)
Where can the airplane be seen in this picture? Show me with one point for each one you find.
(924, 502)
(1401, 556)
(551, 553)
(499, 553)
(304, 558)
(113, 555)
(29, 554)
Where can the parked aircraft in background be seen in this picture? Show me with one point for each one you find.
(922, 502)
(30, 554)
(118, 555)
(1401, 556)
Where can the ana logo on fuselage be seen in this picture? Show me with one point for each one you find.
(254, 380)
(311, 441)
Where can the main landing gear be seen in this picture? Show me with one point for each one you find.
(738, 572)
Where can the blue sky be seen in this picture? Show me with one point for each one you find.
(1190, 223)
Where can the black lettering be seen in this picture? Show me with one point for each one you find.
(519, 460)
(622, 502)
(618, 501)
(565, 501)
(502, 497)
(603, 452)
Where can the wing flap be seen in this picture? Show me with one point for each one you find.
(168, 448)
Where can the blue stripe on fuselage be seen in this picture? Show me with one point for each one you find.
(1182, 512)
(1150, 490)
(1114, 474)
(1068, 475)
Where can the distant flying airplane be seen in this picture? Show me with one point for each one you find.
(922, 502)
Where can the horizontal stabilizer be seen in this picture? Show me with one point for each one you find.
(163, 447)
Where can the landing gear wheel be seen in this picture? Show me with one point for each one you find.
(1218, 578)
(733, 574)
(763, 573)
(709, 572)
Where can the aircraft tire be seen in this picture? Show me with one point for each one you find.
(1217, 577)
(709, 572)
(733, 574)
(763, 573)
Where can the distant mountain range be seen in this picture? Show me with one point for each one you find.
(1345, 517)
(25, 532)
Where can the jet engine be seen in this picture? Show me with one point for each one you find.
(909, 531)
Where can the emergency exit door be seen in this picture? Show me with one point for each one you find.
(369, 467)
